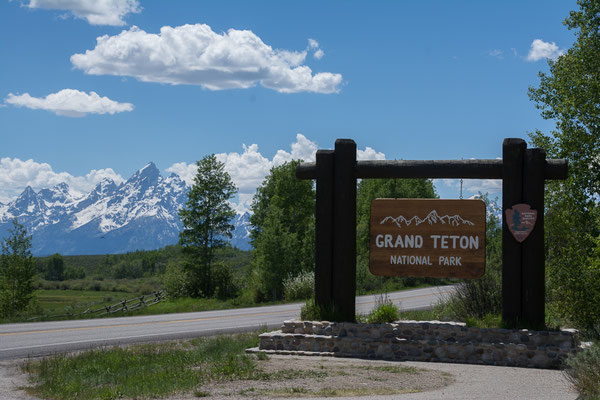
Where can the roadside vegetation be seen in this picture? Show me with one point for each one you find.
(144, 370)
(215, 366)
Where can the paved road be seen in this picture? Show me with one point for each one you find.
(43, 338)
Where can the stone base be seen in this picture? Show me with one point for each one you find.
(423, 341)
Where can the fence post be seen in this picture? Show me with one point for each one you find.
(513, 153)
(324, 228)
(344, 230)
(533, 256)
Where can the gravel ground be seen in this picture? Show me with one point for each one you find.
(351, 376)
(11, 378)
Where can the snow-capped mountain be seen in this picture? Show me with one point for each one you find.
(139, 214)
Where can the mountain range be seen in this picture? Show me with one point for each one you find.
(138, 214)
(432, 218)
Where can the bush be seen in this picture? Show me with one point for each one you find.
(385, 311)
(299, 287)
(73, 273)
(312, 312)
(175, 280)
(583, 371)
(225, 282)
(477, 298)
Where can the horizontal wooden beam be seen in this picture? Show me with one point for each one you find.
(451, 169)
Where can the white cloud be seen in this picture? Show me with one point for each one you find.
(70, 103)
(314, 45)
(473, 186)
(95, 12)
(16, 175)
(369, 154)
(499, 54)
(249, 168)
(303, 149)
(540, 49)
(195, 55)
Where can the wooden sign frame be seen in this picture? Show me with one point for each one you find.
(427, 238)
(523, 173)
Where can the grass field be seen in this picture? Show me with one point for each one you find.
(152, 370)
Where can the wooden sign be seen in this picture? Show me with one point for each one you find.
(427, 238)
(521, 220)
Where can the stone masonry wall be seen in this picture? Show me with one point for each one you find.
(423, 341)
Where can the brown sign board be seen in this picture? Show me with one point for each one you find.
(427, 238)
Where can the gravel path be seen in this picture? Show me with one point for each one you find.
(490, 383)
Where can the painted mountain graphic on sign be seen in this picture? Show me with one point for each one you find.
(433, 218)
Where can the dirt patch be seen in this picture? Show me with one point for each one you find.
(12, 379)
(289, 376)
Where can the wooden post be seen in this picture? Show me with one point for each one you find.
(513, 153)
(324, 228)
(344, 230)
(533, 264)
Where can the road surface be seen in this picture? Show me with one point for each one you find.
(43, 338)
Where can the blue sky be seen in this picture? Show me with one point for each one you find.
(173, 81)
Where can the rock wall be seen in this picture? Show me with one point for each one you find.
(423, 341)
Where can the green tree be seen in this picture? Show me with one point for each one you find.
(206, 221)
(282, 230)
(367, 191)
(570, 95)
(17, 270)
(54, 268)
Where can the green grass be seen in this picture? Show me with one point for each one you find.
(145, 370)
(76, 301)
(153, 370)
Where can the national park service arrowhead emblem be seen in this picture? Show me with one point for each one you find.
(520, 220)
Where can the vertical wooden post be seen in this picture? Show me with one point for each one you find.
(344, 229)
(513, 153)
(533, 264)
(324, 228)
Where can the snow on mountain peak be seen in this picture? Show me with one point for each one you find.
(141, 213)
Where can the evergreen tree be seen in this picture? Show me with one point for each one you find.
(54, 268)
(17, 270)
(282, 230)
(206, 221)
(570, 95)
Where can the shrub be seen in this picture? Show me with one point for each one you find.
(71, 272)
(583, 371)
(224, 280)
(385, 311)
(477, 298)
(175, 280)
(145, 289)
(313, 312)
(299, 287)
